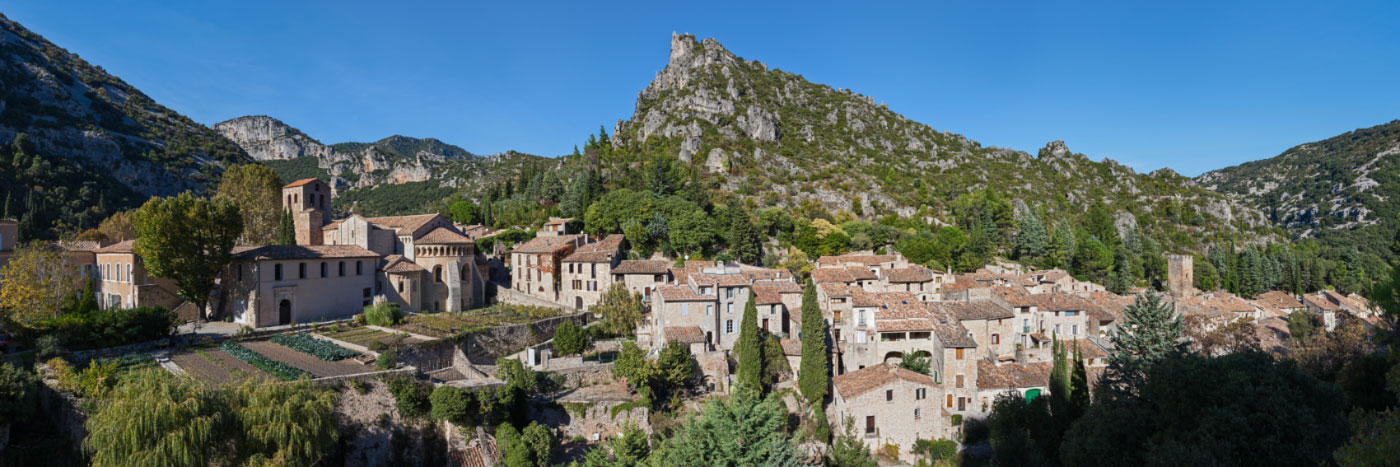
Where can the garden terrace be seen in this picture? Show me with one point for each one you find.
(364, 335)
(216, 365)
(449, 324)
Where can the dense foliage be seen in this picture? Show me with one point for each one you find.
(275, 368)
(96, 329)
(189, 240)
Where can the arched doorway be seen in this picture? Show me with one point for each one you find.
(894, 358)
(578, 303)
(284, 312)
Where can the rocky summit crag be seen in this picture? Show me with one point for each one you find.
(770, 134)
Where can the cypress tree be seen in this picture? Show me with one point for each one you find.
(812, 375)
(1061, 394)
(286, 232)
(1079, 385)
(750, 348)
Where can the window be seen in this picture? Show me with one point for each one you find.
(729, 292)
(342, 269)
(685, 309)
(959, 353)
(323, 269)
(301, 270)
(359, 267)
(400, 285)
(1071, 313)
(367, 300)
(870, 425)
(920, 394)
(277, 272)
(916, 413)
(996, 338)
(729, 326)
(950, 400)
(1057, 328)
(889, 395)
(593, 270)
(960, 381)
(1074, 329)
(709, 310)
(129, 276)
(860, 318)
(729, 308)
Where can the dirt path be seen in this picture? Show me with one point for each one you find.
(223, 369)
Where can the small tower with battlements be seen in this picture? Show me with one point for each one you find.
(309, 201)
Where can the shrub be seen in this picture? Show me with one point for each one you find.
(19, 390)
(386, 360)
(455, 405)
(272, 367)
(360, 386)
(410, 396)
(304, 343)
(47, 347)
(104, 328)
(570, 339)
(383, 314)
(936, 449)
(377, 345)
(957, 419)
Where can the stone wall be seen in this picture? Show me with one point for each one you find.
(483, 348)
(592, 420)
(1180, 274)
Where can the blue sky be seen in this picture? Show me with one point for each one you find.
(1191, 86)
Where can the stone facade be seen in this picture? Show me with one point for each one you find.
(122, 280)
(1180, 280)
(888, 405)
(275, 285)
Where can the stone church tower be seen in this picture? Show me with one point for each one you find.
(1180, 272)
(309, 201)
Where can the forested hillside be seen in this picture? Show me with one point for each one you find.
(82, 144)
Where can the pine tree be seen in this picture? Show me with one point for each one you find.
(750, 348)
(1149, 332)
(1031, 240)
(744, 241)
(659, 179)
(812, 375)
(1062, 248)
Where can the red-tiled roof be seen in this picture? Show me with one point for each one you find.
(127, 246)
(442, 235)
(832, 275)
(833, 289)
(402, 225)
(855, 383)
(681, 293)
(547, 244)
(771, 292)
(977, 310)
(1013, 375)
(274, 252)
(649, 266)
(301, 182)
(910, 274)
(600, 252)
(685, 334)
(397, 264)
(791, 347)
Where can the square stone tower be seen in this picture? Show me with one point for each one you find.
(1180, 279)
(309, 201)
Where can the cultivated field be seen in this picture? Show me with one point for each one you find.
(365, 335)
(215, 366)
(448, 324)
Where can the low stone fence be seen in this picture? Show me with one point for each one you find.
(485, 347)
(409, 371)
(515, 297)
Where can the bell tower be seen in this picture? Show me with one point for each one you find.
(309, 201)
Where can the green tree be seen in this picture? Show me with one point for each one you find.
(257, 192)
(158, 419)
(615, 208)
(745, 243)
(1301, 324)
(285, 424)
(813, 373)
(464, 212)
(1093, 259)
(849, 451)
(747, 429)
(570, 339)
(286, 230)
(750, 347)
(531, 447)
(1192, 411)
(189, 240)
(1149, 332)
(1062, 248)
(659, 176)
(454, 404)
(619, 311)
(35, 283)
(1031, 239)
(916, 361)
(19, 390)
(1099, 222)
(637, 236)
(674, 367)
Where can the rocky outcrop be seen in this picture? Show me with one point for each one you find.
(267, 138)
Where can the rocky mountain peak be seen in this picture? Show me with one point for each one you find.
(1055, 150)
(267, 138)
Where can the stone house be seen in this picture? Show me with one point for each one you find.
(275, 285)
(642, 276)
(1278, 303)
(588, 272)
(989, 324)
(679, 308)
(122, 280)
(888, 405)
(556, 226)
(453, 277)
(835, 300)
(776, 302)
(713, 298)
(1028, 380)
(921, 281)
(535, 264)
(1328, 303)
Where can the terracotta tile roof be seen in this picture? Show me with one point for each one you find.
(1013, 375)
(402, 224)
(861, 273)
(977, 310)
(1088, 349)
(476, 232)
(1014, 296)
(301, 182)
(80, 245)
(858, 257)
(959, 286)
(910, 274)
(832, 275)
(681, 293)
(599, 252)
(397, 264)
(271, 252)
(833, 289)
(771, 292)
(684, 334)
(791, 347)
(1321, 302)
(855, 383)
(1060, 302)
(547, 244)
(951, 331)
(651, 266)
(442, 235)
(127, 246)
(558, 220)
(680, 275)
